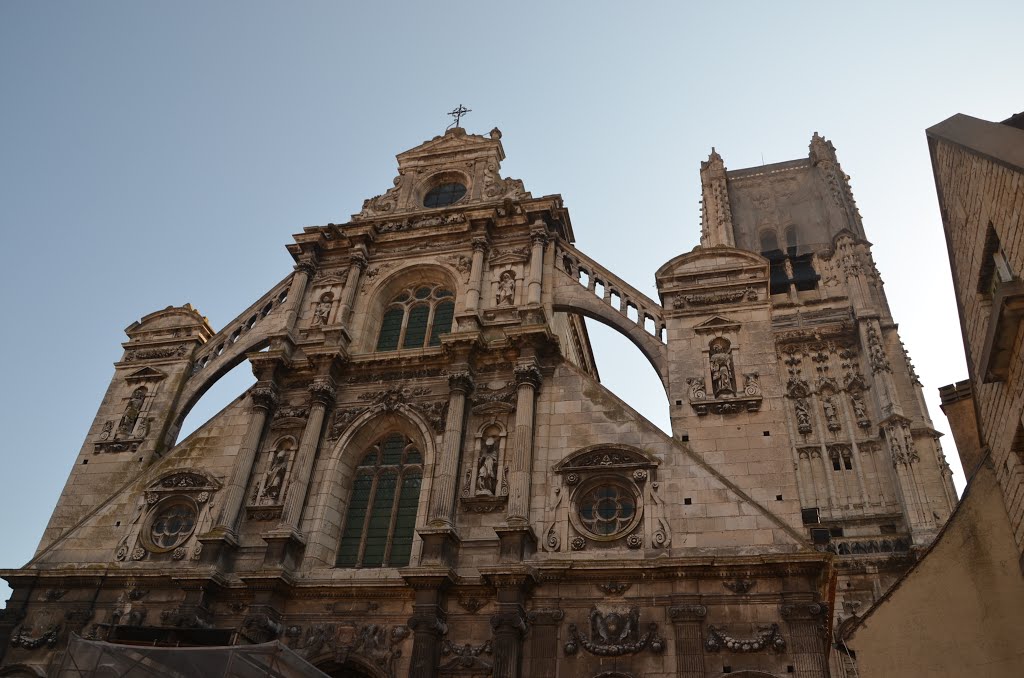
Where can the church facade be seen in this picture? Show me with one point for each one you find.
(428, 478)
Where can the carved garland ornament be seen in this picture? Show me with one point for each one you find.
(614, 633)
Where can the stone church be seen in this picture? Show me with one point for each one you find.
(428, 478)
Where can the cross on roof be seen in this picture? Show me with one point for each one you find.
(457, 114)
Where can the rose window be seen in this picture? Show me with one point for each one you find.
(607, 510)
(171, 525)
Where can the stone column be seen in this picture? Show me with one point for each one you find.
(357, 263)
(509, 619)
(521, 462)
(539, 236)
(480, 246)
(304, 270)
(544, 641)
(689, 645)
(428, 625)
(322, 393)
(285, 542)
(264, 398)
(807, 638)
(446, 468)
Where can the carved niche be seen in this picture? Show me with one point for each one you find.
(613, 501)
(727, 395)
(485, 480)
(266, 500)
(133, 426)
(322, 310)
(167, 519)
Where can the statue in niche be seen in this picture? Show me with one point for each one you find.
(859, 409)
(506, 289)
(721, 368)
(831, 418)
(323, 309)
(273, 479)
(803, 417)
(487, 468)
(131, 411)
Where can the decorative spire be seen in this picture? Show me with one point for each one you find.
(822, 150)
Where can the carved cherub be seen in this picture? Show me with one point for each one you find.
(506, 289)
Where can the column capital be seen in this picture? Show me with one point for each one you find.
(358, 258)
(549, 616)
(803, 611)
(528, 374)
(306, 265)
(481, 244)
(323, 391)
(461, 382)
(539, 234)
(687, 613)
(510, 619)
(264, 396)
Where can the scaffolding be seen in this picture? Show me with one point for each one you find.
(100, 659)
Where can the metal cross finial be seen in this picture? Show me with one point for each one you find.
(457, 114)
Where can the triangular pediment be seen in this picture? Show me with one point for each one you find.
(457, 141)
(717, 323)
(146, 374)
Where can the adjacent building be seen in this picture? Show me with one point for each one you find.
(962, 607)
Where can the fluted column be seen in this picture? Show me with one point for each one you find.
(357, 264)
(539, 237)
(687, 621)
(264, 398)
(480, 246)
(446, 468)
(807, 638)
(521, 463)
(304, 270)
(509, 625)
(322, 391)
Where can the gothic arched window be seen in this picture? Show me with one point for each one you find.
(417, 318)
(382, 506)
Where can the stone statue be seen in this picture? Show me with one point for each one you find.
(721, 369)
(487, 468)
(803, 417)
(273, 480)
(323, 309)
(131, 411)
(506, 289)
(830, 413)
(859, 410)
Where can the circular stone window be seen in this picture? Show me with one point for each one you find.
(171, 524)
(444, 195)
(607, 510)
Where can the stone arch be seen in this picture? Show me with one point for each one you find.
(577, 299)
(330, 494)
(200, 383)
(378, 296)
(353, 666)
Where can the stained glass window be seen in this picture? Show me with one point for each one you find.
(381, 512)
(417, 318)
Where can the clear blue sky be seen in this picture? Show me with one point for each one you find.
(162, 153)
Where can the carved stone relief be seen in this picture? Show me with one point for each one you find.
(614, 632)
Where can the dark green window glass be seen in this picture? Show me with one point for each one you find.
(381, 517)
(420, 314)
(355, 521)
(380, 520)
(405, 521)
(416, 328)
(390, 329)
(393, 447)
(443, 314)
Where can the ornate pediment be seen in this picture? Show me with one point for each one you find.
(606, 457)
(716, 324)
(146, 374)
